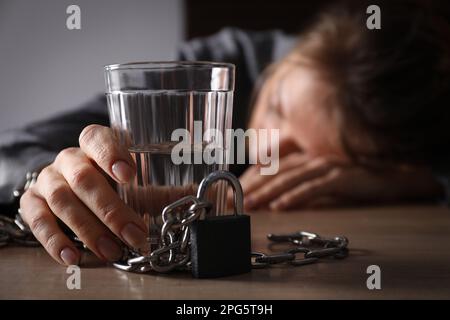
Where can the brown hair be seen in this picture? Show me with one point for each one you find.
(393, 84)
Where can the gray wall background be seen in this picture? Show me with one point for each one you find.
(46, 68)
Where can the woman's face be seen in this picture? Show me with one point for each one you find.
(298, 102)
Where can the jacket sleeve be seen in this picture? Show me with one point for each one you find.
(36, 145)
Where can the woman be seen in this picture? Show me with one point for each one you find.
(362, 115)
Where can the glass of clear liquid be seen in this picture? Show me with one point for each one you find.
(147, 103)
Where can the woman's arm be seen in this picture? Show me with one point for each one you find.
(305, 182)
(35, 145)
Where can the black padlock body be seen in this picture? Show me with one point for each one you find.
(220, 246)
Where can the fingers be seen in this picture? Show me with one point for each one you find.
(285, 181)
(97, 195)
(251, 180)
(39, 217)
(100, 145)
(325, 186)
(65, 205)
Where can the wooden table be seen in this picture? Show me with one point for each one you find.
(411, 245)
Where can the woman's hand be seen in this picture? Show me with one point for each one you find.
(304, 182)
(75, 189)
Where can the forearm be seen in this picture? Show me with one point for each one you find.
(36, 145)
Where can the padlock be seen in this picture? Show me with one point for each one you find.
(221, 245)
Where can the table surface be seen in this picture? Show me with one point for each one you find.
(411, 245)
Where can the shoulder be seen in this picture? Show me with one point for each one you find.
(253, 50)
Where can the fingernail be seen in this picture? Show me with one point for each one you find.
(122, 171)
(109, 249)
(134, 236)
(69, 256)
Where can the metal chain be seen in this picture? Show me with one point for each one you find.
(173, 252)
(16, 231)
(310, 245)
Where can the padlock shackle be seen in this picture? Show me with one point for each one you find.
(235, 184)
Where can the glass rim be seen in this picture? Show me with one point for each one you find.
(166, 65)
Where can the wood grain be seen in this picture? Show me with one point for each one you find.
(410, 244)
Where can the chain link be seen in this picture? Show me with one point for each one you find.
(173, 252)
(312, 246)
(15, 231)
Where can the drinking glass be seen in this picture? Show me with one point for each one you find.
(147, 102)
